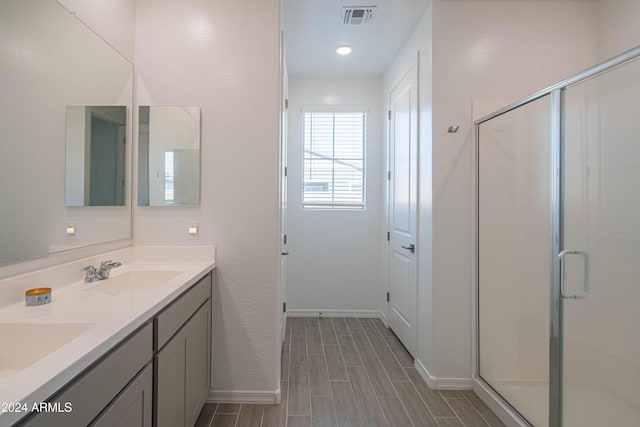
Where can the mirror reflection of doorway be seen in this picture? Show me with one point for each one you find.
(106, 182)
(95, 155)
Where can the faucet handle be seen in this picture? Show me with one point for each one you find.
(89, 268)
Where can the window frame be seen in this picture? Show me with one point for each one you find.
(332, 205)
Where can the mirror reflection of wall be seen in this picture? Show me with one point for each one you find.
(96, 141)
(49, 60)
(168, 156)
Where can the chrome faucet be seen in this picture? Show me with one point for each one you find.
(93, 274)
(106, 267)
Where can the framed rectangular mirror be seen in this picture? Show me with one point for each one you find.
(168, 155)
(50, 60)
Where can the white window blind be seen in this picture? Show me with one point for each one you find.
(333, 167)
(168, 176)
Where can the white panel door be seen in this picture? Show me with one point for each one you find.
(283, 189)
(403, 151)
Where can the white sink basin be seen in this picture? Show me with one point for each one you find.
(138, 280)
(23, 344)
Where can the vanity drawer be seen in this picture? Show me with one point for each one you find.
(171, 319)
(94, 389)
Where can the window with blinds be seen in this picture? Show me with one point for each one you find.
(333, 170)
(168, 176)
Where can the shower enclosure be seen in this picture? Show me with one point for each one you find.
(558, 251)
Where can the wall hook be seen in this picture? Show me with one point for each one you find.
(453, 129)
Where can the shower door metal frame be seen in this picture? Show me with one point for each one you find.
(556, 198)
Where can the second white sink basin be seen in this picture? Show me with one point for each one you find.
(26, 343)
(138, 280)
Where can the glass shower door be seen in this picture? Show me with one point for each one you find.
(600, 261)
(514, 253)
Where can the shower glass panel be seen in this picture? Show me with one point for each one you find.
(601, 222)
(514, 253)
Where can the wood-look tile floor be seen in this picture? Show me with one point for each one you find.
(351, 372)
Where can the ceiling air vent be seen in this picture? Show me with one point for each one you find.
(352, 15)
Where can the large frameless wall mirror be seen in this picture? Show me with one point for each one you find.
(50, 60)
(168, 156)
(96, 141)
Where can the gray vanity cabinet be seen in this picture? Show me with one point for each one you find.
(119, 379)
(125, 389)
(182, 363)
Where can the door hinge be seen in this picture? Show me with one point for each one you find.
(388, 236)
(284, 307)
(388, 175)
(286, 104)
(389, 114)
(286, 171)
(284, 239)
(388, 297)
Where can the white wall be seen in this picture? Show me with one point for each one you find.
(618, 27)
(334, 261)
(419, 46)
(113, 20)
(224, 57)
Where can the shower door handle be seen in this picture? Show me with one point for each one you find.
(562, 255)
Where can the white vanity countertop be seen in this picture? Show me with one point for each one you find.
(139, 289)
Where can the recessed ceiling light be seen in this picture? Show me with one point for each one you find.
(343, 50)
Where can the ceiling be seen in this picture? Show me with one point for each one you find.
(313, 30)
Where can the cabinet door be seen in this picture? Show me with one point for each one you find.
(198, 362)
(171, 380)
(132, 408)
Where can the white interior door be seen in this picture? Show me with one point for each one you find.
(403, 150)
(283, 192)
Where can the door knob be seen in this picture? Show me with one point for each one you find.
(411, 248)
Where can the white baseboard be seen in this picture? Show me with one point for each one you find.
(383, 317)
(431, 381)
(442, 383)
(233, 396)
(336, 313)
(502, 411)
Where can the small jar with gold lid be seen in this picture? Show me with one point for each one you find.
(37, 296)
